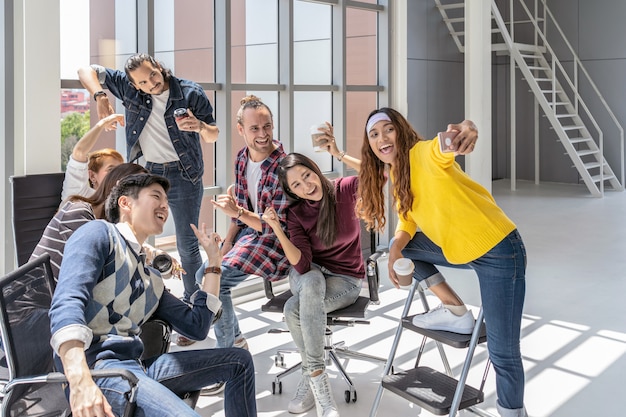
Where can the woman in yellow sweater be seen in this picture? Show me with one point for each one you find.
(460, 225)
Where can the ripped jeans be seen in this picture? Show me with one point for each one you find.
(316, 293)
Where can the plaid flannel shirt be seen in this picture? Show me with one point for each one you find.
(260, 253)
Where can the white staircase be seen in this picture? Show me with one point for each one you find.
(556, 89)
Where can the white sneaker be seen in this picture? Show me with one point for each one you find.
(241, 343)
(303, 400)
(214, 389)
(324, 401)
(441, 318)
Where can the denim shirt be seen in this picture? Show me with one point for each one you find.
(183, 93)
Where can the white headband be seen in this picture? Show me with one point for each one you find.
(377, 117)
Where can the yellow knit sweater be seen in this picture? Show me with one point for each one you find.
(454, 211)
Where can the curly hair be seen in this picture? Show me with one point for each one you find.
(327, 219)
(372, 176)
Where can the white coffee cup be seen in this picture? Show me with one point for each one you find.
(316, 133)
(403, 267)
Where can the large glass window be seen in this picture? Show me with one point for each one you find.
(312, 46)
(320, 71)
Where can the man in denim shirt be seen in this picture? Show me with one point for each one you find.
(171, 147)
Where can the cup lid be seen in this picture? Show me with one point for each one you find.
(403, 266)
(315, 128)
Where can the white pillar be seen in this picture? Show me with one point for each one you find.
(478, 87)
(398, 57)
(37, 102)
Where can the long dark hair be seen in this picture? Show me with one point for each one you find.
(102, 192)
(372, 178)
(327, 218)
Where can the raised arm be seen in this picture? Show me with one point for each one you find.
(331, 148)
(467, 137)
(89, 79)
(86, 143)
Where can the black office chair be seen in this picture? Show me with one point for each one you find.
(33, 388)
(35, 200)
(348, 316)
(156, 335)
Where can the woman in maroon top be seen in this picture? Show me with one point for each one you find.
(324, 249)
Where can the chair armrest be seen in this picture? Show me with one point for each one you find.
(373, 281)
(269, 291)
(58, 377)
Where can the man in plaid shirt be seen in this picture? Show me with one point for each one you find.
(250, 246)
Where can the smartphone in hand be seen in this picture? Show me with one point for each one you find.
(445, 141)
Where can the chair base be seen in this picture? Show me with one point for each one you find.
(331, 356)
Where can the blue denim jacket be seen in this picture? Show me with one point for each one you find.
(183, 93)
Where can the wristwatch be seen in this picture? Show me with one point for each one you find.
(98, 94)
(212, 270)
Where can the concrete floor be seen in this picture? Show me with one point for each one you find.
(574, 328)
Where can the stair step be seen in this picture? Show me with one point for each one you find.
(551, 91)
(454, 19)
(451, 339)
(598, 178)
(565, 115)
(587, 152)
(430, 389)
(539, 68)
(592, 165)
(543, 79)
(560, 103)
(573, 127)
(451, 6)
(580, 140)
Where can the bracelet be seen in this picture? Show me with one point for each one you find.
(212, 270)
(240, 212)
(341, 155)
(98, 94)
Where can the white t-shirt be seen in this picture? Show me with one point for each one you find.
(76, 181)
(253, 176)
(154, 139)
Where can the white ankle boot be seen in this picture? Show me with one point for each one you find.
(324, 400)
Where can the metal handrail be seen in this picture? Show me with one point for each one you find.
(573, 85)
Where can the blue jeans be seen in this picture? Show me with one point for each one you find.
(501, 276)
(181, 372)
(185, 199)
(315, 294)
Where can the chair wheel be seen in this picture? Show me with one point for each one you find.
(280, 387)
(349, 396)
(279, 360)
